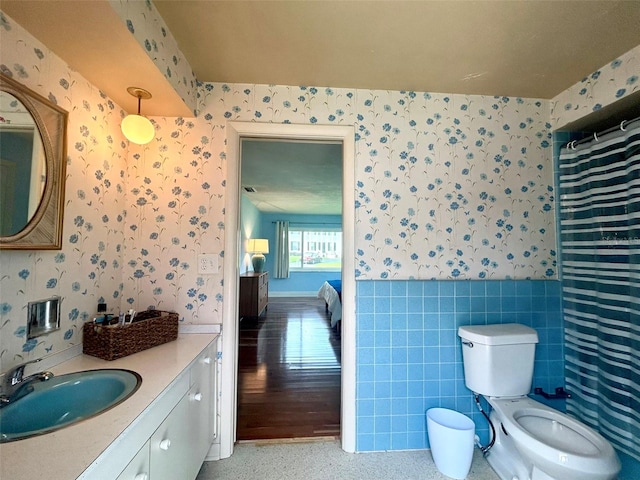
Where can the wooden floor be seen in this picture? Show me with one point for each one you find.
(288, 372)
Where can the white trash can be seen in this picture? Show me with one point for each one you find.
(451, 437)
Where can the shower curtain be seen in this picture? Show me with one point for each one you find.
(599, 187)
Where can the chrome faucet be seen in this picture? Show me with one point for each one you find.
(14, 381)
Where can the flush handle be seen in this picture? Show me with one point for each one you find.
(468, 344)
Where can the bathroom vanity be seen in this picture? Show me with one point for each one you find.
(163, 431)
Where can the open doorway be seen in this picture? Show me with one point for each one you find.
(236, 131)
(289, 369)
(289, 373)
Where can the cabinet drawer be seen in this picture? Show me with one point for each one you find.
(138, 469)
(202, 367)
(170, 446)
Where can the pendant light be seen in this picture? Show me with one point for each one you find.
(136, 128)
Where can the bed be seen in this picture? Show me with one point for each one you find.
(331, 293)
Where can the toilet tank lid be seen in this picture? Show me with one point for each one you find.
(498, 334)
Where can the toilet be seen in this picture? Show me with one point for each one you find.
(532, 441)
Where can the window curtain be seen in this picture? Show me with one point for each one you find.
(282, 250)
(599, 187)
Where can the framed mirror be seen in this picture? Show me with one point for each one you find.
(33, 142)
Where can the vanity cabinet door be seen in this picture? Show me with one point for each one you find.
(202, 404)
(171, 445)
(138, 469)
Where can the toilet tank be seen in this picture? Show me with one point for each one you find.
(498, 359)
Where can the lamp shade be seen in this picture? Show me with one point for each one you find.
(258, 245)
(138, 129)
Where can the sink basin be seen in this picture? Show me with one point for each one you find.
(64, 400)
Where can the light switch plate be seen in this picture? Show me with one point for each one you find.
(207, 263)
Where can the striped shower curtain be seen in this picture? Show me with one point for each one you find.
(599, 187)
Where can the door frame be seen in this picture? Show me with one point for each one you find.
(229, 391)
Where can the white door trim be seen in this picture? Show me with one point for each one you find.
(345, 134)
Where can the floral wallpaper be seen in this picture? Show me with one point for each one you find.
(453, 186)
(176, 211)
(148, 28)
(606, 85)
(88, 268)
(447, 186)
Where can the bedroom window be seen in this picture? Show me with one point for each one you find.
(315, 249)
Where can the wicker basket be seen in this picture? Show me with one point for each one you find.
(150, 328)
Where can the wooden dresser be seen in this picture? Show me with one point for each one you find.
(254, 294)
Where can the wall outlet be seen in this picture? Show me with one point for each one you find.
(207, 263)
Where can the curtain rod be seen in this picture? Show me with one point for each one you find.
(623, 126)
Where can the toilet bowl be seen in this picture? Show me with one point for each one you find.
(532, 441)
(553, 444)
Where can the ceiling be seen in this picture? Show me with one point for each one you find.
(298, 177)
(526, 48)
(534, 49)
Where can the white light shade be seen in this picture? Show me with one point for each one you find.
(258, 245)
(138, 129)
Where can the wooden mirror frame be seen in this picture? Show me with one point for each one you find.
(43, 231)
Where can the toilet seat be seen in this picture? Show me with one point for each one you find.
(553, 440)
(554, 430)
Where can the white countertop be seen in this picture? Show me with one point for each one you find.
(66, 453)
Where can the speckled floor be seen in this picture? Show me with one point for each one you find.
(326, 461)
